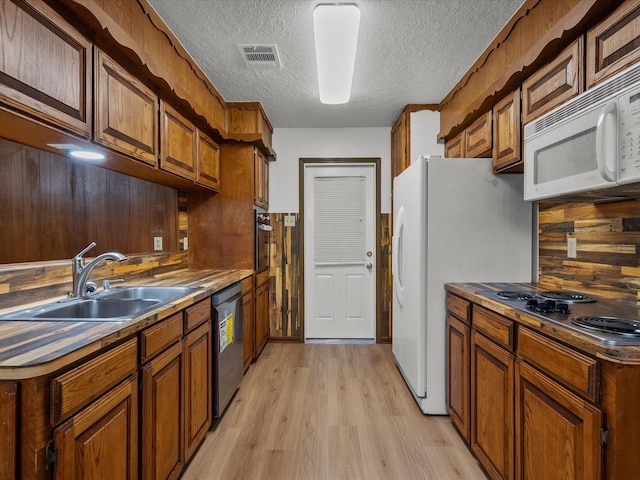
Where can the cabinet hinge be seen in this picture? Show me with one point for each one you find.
(604, 435)
(51, 455)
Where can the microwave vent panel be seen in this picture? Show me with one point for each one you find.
(259, 56)
(610, 88)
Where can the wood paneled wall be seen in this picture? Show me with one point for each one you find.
(53, 207)
(608, 241)
(286, 276)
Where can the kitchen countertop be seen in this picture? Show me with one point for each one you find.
(31, 349)
(614, 353)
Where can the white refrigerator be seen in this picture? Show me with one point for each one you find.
(453, 221)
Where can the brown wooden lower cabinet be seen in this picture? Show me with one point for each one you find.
(557, 432)
(101, 441)
(248, 319)
(198, 400)
(8, 430)
(492, 383)
(458, 337)
(262, 312)
(162, 454)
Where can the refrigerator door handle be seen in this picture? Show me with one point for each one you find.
(396, 255)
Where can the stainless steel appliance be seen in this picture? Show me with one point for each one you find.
(607, 321)
(228, 349)
(588, 143)
(263, 238)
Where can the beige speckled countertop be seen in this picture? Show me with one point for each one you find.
(626, 354)
(31, 349)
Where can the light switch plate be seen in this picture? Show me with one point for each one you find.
(185, 243)
(157, 243)
(289, 220)
(572, 247)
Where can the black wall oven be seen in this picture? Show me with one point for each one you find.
(263, 239)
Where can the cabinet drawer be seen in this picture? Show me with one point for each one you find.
(155, 339)
(460, 307)
(247, 285)
(498, 328)
(574, 370)
(76, 388)
(262, 277)
(196, 314)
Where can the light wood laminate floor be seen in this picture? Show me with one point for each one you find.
(329, 412)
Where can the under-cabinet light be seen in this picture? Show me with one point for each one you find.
(87, 155)
(336, 35)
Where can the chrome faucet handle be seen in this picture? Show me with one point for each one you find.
(106, 284)
(78, 261)
(91, 287)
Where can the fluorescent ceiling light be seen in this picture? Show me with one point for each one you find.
(336, 34)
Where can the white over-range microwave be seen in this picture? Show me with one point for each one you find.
(589, 143)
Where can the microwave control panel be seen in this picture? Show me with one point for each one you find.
(629, 136)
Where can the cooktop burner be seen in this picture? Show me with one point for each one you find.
(622, 326)
(566, 296)
(512, 295)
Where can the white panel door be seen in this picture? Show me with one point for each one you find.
(339, 251)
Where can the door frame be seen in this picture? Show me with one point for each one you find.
(375, 161)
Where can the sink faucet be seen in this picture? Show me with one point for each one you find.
(81, 272)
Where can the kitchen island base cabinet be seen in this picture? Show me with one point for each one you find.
(101, 441)
(557, 433)
(8, 430)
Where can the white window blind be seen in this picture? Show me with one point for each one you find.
(339, 230)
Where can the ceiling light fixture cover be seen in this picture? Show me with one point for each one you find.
(336, 35)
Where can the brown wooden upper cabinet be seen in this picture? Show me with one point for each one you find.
(555, 83)
(400, 145)
(249, 118)
(477, 138)
(261, 179)
(126, 118)
(507, 134)
(614, 43)
(208, 163)
(178, 142)
(46, 67)
(454, 148)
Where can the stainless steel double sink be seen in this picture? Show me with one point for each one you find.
(114, 305)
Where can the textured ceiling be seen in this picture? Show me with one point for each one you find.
(409, 51)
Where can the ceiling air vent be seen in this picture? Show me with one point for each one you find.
(260, 55)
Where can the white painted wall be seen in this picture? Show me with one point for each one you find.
(291, 144)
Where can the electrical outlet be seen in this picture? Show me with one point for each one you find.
(185, 243)
(157, 243)
(572, 247)
(289, 220)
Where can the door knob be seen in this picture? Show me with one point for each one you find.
(369, 266)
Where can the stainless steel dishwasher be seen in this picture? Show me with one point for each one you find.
(228, 359)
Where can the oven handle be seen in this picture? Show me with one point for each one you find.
(266, 228)
(603, 141)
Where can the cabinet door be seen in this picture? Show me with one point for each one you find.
(492, 383)
(126, 111)
(399, 145)
(477, 137)
(553, 84)
(177, 143)
(248, 326)
(162, 416)
(208, 165)
(261, 179)
(8, 430)
(262, 316)
(614, 43)
(506, 134)
(454, 148)
(45, 70)
(458, 374)
(557, 433)
(101, 441)
(197, 387)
